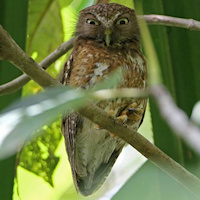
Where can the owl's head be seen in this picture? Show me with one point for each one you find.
(111, 24)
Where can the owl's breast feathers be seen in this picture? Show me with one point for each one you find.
(92, 151)
(92, 61)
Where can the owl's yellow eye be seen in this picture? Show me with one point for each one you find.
(122, 21)
(92, 22)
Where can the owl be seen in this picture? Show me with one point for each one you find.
(107, 37)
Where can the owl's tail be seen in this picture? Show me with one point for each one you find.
(90, 183)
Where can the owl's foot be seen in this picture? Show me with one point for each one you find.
(135, 113)
(112, 135)
(97, 127)
(123, 118)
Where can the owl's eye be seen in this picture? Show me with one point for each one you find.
(122, 21)
(92, 22)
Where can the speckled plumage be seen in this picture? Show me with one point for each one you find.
(107, 37)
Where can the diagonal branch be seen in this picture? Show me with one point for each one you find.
(150, 151)
(10, 51)
(19, 82)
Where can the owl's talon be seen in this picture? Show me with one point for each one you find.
(111, 112)
(133, 110)
(123, 118)
(112, 135)
(97, 127)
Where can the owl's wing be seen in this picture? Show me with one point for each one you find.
(70, 125)
(67, 70)
(70, 122)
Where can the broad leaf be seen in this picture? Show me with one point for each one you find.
(145, 185)
(38, 156)
(20, 120)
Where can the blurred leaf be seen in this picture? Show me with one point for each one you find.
(79, 5)
(111, 81)
(44, 28)
(13, 18)
(20, 120)
(69, 15)
(128, 3)
(145, 185)
(158, 34)
(38, 156)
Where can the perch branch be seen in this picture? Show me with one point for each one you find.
(150, 151)
(176, 118)
(190, 24)
(10, 51)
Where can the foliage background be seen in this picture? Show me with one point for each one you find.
(51, 22)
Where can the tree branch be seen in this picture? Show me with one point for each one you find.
(190, 24)
(10, 51)
(150, 151)
(19, 82)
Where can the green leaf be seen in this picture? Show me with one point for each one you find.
(178, 53)
(128, 3)
(44, 28)
(79, 5)
(145, 185)
(20, 120)
(13, 18)
(162, 48)
(38, 156)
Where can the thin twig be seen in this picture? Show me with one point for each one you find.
(176, 118)
(120, 92)
(20, 81)
(10, 51)
(190, 24)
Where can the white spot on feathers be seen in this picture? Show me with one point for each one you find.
(138, 63)
(98, 71)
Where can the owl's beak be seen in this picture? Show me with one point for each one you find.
(107, 34)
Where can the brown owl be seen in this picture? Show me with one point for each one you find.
(107, 37)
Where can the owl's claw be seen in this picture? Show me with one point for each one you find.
(112, 135)
(132, 109)
(135, 110)
(123, 118)
(97, 127)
